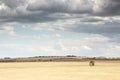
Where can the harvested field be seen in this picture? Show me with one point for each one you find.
(60, 71)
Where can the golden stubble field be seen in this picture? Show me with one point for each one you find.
(60, 71)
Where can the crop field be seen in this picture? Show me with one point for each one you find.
(60, 71)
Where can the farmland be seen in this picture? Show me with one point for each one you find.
(109, 70)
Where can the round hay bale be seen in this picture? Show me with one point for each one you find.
(92, 63)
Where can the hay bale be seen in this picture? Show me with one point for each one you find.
(92, 63)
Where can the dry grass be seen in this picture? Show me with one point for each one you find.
(60, 71)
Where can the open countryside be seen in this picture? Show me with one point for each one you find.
(59, 39)
(103, 70)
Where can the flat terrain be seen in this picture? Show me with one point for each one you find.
(60, 71)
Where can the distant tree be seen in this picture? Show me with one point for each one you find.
(71, 56)
(7, 58)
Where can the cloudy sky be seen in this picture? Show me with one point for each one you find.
(59, 27)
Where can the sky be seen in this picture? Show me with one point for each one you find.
(59, 28)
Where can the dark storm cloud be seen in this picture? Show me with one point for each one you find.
(40, 10)
(107, 7)
(36, 11)
(92, 7)
(63, 6)
(29, 18)
(13, 3)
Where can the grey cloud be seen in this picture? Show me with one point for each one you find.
(107, 28)
(106, 7)
(110, 30)
(44, 10)
(92, 7)
(13, 3)
(39, 11)
(64, 6)
(91, 20)
(29, 18)
(36, 11)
